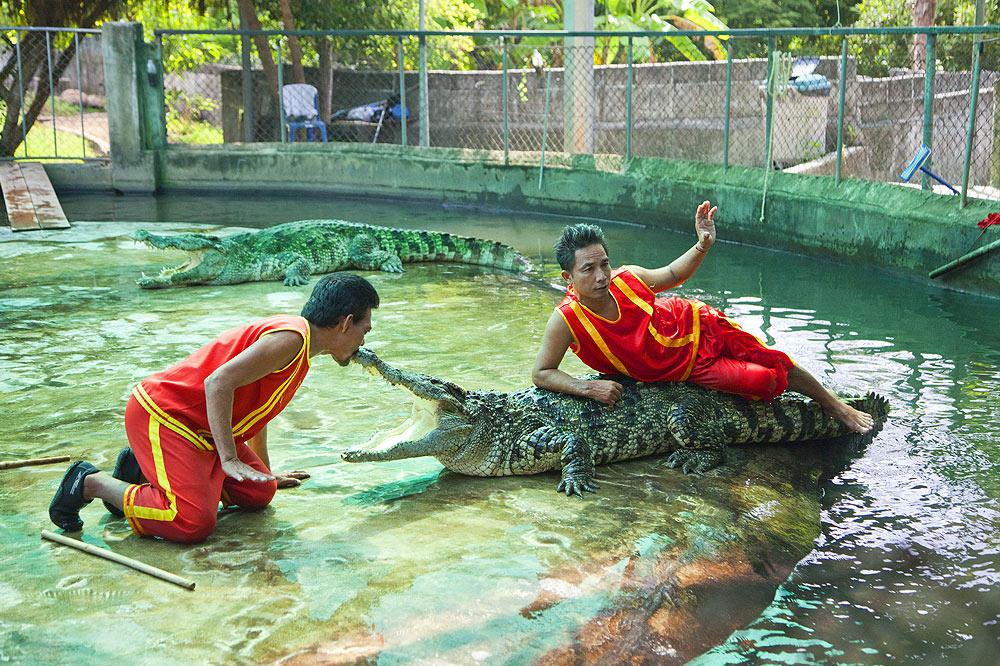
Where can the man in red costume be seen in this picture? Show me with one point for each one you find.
(613, 321)
(197, 429)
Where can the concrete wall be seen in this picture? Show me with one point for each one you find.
(873, 223)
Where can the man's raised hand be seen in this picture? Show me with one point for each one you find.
(704, 225)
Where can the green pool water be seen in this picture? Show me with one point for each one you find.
(881, 553)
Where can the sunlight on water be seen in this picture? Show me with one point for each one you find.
(790, 554)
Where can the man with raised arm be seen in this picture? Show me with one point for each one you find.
(613, 321)
(197, 429)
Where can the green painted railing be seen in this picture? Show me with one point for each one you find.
(773, 37)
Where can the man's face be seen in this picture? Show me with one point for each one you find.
(352, 336)
(591, 274)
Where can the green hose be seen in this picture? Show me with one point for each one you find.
(777, 87)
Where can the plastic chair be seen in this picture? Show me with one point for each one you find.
(300, 102)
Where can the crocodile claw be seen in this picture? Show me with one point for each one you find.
(689, 461)
(572, 486)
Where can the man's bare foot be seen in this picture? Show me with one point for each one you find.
(856, 420)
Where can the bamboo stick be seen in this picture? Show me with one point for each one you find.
(964, 259)
(11, 464)
(120, 559)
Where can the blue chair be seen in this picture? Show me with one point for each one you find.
(300, 104)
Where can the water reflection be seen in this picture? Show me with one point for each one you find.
(871, 555)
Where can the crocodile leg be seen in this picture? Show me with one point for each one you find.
(294, 267)
(365, 253)
(702, 440)
(577, 467)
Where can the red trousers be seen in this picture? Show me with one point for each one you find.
(180, 502)
(732, 360)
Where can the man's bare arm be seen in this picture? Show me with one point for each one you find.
(682, 268)
(547, 375)
(272, 352)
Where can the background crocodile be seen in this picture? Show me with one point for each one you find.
(295, 250)
(487, 433)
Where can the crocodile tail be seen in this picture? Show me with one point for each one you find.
(800, 420)
(414, 245)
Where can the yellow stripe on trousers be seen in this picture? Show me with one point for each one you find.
(149, 513)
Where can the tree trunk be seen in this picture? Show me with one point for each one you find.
(248, 14)
(923, 15)
(325, 47)
(288, 20)
(33, 66)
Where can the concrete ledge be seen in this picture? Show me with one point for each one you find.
(86, 177)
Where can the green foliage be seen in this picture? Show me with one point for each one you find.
(877, 54)
(187, 52)
(660, 16)
(186, 122)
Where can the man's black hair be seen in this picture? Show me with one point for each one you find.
(337, 295)
(576, 237)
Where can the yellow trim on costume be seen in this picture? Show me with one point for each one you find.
(256, 415)
(596, 337)
(627, 290)
(695, 337)
(648, 309)
(149, 513)
(170, 422)
(127, 499)
(576, 343)
(305, 343)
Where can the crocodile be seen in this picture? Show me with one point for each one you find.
(295, 250)
(489, 433)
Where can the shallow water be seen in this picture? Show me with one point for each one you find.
(888, 553)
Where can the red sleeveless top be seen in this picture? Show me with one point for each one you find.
(176, 396)
(652, 339)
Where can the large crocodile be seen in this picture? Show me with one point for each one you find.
(295, 250)
(487, 433)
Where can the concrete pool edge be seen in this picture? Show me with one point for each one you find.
(878, 224)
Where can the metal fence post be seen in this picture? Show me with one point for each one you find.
(402, 92)
(840, 107)
(20, 90)
(769, 103)
(729, 89)
(52, 93)
(504, 92)
(977, 49)
(929, 66)
(246, 77)
(628, 105)
(79, 82)
(425, 130)
(281, 87)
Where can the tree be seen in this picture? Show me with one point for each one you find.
(877, 54)
(35, 53)
(923, 15)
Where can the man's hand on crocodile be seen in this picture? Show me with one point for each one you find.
(604, 390)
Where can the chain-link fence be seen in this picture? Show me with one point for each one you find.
(52, 102)
(831, 108)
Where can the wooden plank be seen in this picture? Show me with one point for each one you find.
(20, 209)
(47, 208)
